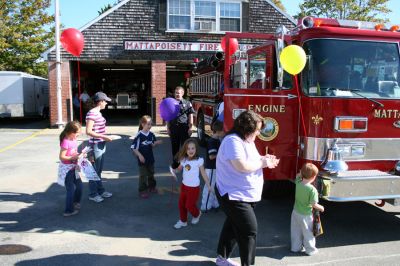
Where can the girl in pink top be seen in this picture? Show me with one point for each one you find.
(66, 171)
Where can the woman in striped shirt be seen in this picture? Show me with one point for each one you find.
(96, 129)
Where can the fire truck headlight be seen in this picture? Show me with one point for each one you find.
(352, 150)
(358, 150)
(397, 168)
(345, 150)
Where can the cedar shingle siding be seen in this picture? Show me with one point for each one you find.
(143, 20)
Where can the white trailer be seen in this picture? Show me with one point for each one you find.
(22, 95)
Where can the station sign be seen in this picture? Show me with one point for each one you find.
(178, 46)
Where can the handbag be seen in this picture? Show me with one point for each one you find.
(317, 225)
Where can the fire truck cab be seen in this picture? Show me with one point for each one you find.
(341, 112)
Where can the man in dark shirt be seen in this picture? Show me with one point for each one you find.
(180, 128)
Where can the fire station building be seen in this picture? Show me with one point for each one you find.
(140, 50)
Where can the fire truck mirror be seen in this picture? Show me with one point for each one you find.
(279, 48)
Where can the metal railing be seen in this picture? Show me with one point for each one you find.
(208, 84)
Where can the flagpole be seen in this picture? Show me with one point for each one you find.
(59, 123)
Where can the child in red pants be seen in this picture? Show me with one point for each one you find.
(191, 166)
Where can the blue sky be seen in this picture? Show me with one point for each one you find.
(77, 13)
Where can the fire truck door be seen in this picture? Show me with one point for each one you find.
(279, 109)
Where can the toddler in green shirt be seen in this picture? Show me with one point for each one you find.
(306, 199)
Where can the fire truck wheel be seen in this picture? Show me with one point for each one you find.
(201, 134)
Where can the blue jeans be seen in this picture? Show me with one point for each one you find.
(74, 191)
(96, 187)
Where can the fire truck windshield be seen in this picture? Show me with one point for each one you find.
(350, 68)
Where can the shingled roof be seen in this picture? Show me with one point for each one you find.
(140, 20)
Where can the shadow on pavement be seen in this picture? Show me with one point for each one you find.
(98, 259)
(24, 123)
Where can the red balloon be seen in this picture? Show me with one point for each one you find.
(72, 40)
(233, 45)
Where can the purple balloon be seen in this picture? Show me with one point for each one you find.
(169, 109)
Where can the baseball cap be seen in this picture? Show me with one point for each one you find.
(101, 96)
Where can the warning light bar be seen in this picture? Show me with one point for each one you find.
(309, 22)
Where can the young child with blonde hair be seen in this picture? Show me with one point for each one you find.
(306, 199)
(191, 165)
(66, 170)
(142, 147)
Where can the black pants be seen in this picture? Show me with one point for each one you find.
(240, 227)
(146, 177)
(178, 135)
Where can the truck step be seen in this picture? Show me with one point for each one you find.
(359, 185)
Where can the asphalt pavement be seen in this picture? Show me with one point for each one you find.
(128, 230)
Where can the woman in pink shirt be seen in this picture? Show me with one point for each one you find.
(239, 186)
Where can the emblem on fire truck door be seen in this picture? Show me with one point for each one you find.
(317, 119)
(270, 129)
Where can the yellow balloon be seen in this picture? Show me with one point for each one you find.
(293, 59)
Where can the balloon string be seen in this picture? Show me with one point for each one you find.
(300, 106)
(79, 91)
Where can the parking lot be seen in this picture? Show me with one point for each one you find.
(127, 230)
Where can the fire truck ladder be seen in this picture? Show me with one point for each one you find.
(206, 84)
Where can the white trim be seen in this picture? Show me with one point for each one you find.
(282, 12)
(45, 54)
(21, 74)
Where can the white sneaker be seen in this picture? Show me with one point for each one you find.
(96, 199)
(180, 224)
(106, 194)
(68, 214)
(311, 253)
(196, 220)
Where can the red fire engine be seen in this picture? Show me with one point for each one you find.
(342, 112)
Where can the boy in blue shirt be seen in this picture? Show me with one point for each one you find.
(142, 147)
(306, 199)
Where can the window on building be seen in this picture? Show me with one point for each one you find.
(179, 14)
(204, 15)
(230, 17)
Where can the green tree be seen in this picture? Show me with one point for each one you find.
(363, 10)
(104, 9)
(24, 35)
(279, 4)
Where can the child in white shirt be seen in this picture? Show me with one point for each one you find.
(191, 166)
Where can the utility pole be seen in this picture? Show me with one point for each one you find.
(60, 123)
